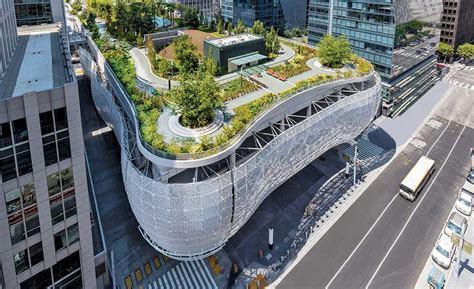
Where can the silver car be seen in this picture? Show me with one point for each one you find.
(456, 224)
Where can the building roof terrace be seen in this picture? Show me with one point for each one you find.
(39, 62)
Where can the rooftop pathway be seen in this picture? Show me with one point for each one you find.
(143, 68)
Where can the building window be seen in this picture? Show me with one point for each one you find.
(63, 205)
(36, 254)
(21, 261)
(15, 157)
(22, 213)
(56, 144)
(66, 237)
(5, 135)
(20, 130)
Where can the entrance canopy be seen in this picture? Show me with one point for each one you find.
(366, 151)
(246, 59)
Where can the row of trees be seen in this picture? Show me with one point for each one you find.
(128, 19)
(465, 51)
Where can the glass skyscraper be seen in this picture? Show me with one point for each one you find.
(399, 37)
(369, 26)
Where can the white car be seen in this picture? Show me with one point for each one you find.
(456, 224)
(464, 203)
(443, 251)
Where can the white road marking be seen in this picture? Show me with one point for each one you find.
(414, 211)
(378, 219)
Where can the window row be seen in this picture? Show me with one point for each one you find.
(28, 258)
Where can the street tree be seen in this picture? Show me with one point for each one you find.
(334, 52)
(445, 50)
(466, 51)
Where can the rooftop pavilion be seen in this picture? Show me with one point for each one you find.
(39, 62)
(231, 40)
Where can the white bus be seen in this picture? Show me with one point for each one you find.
(417, 178)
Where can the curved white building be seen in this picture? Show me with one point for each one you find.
(189, 206)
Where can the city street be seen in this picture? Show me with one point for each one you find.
(383, 241)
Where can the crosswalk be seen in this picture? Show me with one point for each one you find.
(462, 84)
(467, 68)
(186, 275)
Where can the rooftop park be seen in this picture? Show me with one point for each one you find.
(198, 96)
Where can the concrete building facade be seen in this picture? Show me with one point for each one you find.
(8, 34)
(45, 220)
(457, 23)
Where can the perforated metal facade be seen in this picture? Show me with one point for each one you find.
(193, 220)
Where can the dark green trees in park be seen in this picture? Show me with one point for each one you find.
(240, 27)
(272, 43)
(196, 98)
(258, 28)
(334, 52)
(220, 26)
(186, 56)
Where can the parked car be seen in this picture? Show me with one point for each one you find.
(443, 251)
(456, 224)
(470, 176)
(464, 203)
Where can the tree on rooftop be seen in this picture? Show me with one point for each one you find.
(258, 28)
(229, 27)
(445, 50)
(272, 44)
(220, 26)
(334, 52)
(196, 98)
(240, 27)
(466, 51)
(187, 59)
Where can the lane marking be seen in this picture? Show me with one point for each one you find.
(414, 211)
(381, 215)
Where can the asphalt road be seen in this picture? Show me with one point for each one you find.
(391, 253)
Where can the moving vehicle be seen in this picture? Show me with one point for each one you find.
(464, 203)
(417, 178)
(456, 224)
(443, 251)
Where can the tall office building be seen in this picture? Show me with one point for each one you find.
(457, 23)
(45, 226)
(209, 8)
(8, 35)
(399, 37)
(269, 12)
